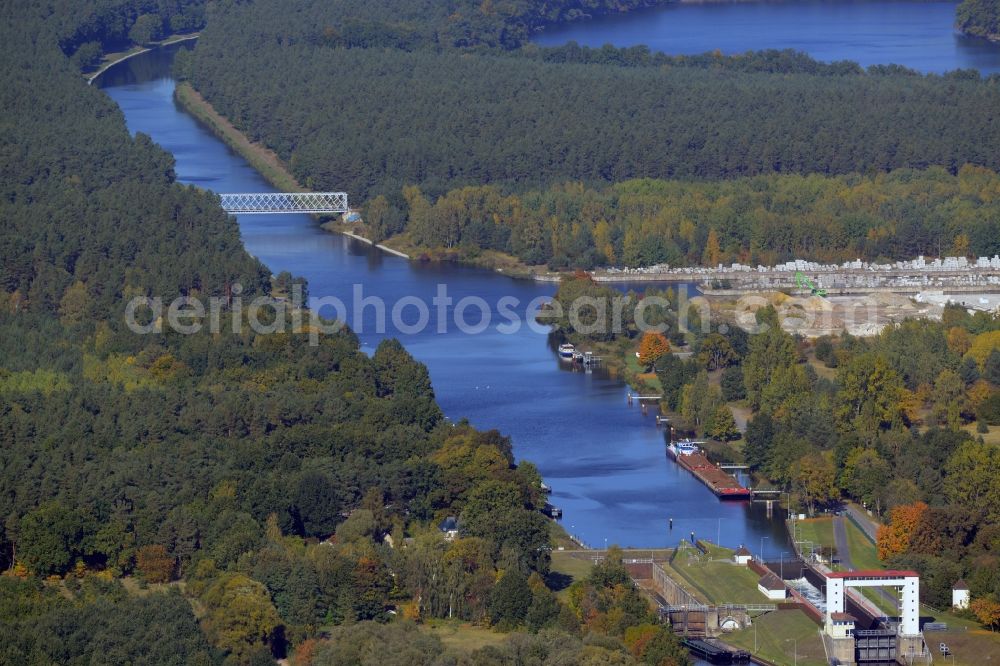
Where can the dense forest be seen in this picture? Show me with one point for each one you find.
(372, 120)
(980, 18)
(218, 498)
(87, 30)
(765, 219)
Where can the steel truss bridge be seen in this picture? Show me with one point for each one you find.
(260, 203)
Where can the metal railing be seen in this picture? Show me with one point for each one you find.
(284, 202)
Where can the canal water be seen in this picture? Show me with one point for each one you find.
(918, 35)
(605, 461)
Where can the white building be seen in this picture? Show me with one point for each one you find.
(960, 595)
(772, 587)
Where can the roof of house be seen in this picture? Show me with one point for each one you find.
(743, 551)
(449, 524)
(843, 617)
(960, 585)
(873, 573)
(771, 582)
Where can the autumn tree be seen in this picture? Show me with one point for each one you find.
(982, 346)
(959, 340)
(652, 347)
(377, 219)
(987, 611)
(713, 251)
(155, 564)
(894, 538)
(240, 616)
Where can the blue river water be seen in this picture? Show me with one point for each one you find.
(918, 35)
(605, 461)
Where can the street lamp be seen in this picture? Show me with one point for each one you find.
(781, 566)
(762, 550)
(795, 647)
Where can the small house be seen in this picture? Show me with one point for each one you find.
(772, 587)
(960, 595)
(449, 527)
(742, 556)
(840, 625)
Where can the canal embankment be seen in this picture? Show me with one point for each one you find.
(112, 59)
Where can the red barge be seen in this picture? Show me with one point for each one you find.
(722, 483)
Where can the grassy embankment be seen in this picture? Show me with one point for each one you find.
(818, 531)
(276, 172)
(779, 634)
(261, 158)
(492, 260)
(782, 637)
(714, 577)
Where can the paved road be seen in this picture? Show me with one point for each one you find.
(844, 550)
(840, 541)
(862, 518)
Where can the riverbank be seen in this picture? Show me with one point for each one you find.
(276, 172)
(112, 59)
(491, 260)
(337, 227)
(264, 160)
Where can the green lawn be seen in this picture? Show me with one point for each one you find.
(969, 642)
(817, 530)
(863, 552)
(881, 602)
(576, 567)
(461, 638)
(649, 379)
(781, 636)
(717, 581)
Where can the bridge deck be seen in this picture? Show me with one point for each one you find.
(284, 202)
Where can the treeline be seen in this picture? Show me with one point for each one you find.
(87, 30)
(415, 24)
(372, 120)
(773, 61)
(765, 219)
(980, 18)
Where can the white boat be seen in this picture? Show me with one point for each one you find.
(685, 447)
(566, 350)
